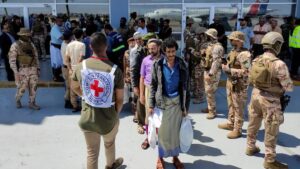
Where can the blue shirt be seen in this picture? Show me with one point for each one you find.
(170, 79)
(248, 32)
(88, 50)
(55, 35)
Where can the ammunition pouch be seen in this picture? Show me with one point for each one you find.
(25, 60)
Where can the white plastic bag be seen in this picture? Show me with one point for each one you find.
(154, 122)
(126, 94)
(152, 136)
(186, 134)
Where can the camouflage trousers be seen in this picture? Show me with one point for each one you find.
(39, 42)
(265, 107)
(198, 83)
(211, 85)
(28, 80)
(236, 104)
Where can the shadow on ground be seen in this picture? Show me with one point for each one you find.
(202, 164)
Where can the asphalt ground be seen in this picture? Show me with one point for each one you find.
(51, 139)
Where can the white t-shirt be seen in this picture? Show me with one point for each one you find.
(74, 53)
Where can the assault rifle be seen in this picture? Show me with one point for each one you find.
(284, 101)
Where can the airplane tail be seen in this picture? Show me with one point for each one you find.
(259, 7)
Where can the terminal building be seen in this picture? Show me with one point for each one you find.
(203, 12)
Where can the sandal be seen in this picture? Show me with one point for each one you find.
(145, 145)
(140, 129)
(135, 120)
(160, 164)
(177, 163)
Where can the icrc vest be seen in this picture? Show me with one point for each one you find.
(261, 75)
(294, 40)
(97, 86)
(26, 55)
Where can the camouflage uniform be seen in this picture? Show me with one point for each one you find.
(265, 104)
(189, 43)
(23, 59)
(236, 88)
(212, 75)
(39, 32)
(237, 70)
(198, 68)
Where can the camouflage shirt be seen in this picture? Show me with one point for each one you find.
(280, 73)
(15, 51)
(243, 61)
(217, 54)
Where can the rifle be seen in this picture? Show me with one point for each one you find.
(284, 101)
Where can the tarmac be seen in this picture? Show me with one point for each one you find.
(51, 138)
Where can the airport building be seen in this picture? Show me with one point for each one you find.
(202, 11)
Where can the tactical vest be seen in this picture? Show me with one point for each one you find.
(38, 28)
(26, 55)
(208, 55)
(261, 75)
(231, 59)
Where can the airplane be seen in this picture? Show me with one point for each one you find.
(258, 8)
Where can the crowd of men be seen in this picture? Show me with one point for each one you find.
(138, 66)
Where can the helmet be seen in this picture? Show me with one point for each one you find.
(212, 33)
(24, 32)
(200, 30)
(272, 41)
(237, 35)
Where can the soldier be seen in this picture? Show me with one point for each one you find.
(189, 43)
(197, 72)
(39, 33)
(270, 78)
(213, 52)
(237, 70)
(23, 60)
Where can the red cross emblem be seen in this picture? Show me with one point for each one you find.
(97, 89)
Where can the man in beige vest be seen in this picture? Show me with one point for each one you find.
(237, 70)
(23, 60)
(270, 78)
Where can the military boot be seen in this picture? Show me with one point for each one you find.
(34, 106)
(252, 151)
(234, 134)
(226, 126)
(210, 116)
(18, 104)
(275, 165)
(117, 164)
(204, 110)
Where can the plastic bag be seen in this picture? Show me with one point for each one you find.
(154, 122)
(126, 94)
(186, 134)
(152, 136)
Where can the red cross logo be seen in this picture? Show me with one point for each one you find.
(96, 88)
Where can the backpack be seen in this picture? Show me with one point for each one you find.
(261, 72)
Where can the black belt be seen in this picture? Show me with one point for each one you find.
(56, 45)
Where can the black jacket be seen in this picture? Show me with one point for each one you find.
(156, 95)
